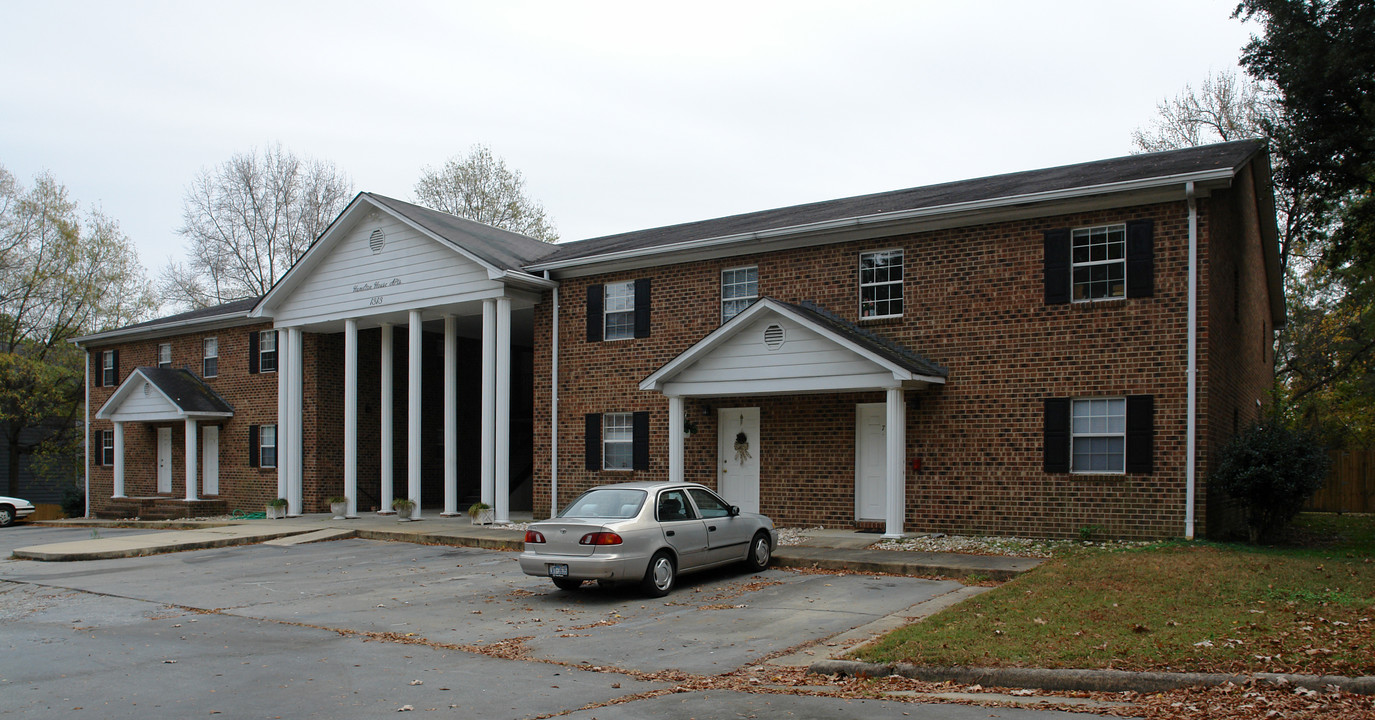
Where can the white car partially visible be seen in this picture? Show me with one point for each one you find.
(12, 509)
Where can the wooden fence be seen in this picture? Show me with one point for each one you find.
(1350, 486)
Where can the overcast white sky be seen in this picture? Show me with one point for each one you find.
(621, 116)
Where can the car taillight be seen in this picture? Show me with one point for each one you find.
(600, 538)
(534, 536)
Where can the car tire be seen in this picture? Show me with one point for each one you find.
(6, 516)
(567, 583)
(761, 552)
(660, 576)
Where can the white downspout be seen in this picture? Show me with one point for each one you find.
(1192, 411)
(87, 441)
(554, 410)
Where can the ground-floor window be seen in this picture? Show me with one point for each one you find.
(618, 436)
(1098, 432)
(107, 447)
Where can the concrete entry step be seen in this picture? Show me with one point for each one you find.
(317, 536)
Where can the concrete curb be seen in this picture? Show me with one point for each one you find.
(1085, 680)
(951, 565)
(139, 546)
(486, 543)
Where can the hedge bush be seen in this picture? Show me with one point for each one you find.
(1272, 470)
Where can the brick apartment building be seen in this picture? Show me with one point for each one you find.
(1027, 354)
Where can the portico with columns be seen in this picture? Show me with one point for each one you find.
(434, 314)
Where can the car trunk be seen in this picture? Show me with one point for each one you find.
(561, 537)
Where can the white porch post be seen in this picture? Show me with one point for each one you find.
(489, 400)
(387, 429)
(283, 410)
(896, 436)
(675, 438)
(503, 415)
(190, 459)
(450, 416)
(351, 416)
(415, 335)
(119, 460)
(295, 438)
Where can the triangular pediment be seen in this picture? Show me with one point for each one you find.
(163, 395)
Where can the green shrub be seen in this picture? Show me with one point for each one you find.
(1272, 470)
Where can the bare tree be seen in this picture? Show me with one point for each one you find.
(248, 220)
(480, 187)
(1224, 108)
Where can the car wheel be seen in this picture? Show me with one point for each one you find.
(567, 583)
(6, 516)
(660, 575)
(761, 552)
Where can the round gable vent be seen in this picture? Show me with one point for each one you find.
(774, 336)
(377, 241)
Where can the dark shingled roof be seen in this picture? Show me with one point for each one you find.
(187, 391)
(1220, 156)
(501, 248)
(876, 344)
(239, 307)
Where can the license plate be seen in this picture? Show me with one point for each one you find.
(558, 571)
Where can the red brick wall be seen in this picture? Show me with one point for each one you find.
(975, 304)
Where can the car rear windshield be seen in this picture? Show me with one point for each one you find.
(620, 504)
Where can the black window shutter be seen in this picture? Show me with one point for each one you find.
(1140, 258)
(97, 447)
(1140, 433)
(96, 373)
(254, 452)
(592, 441)
(1057, 256)
(642, 308)
(116, 366)
(639, 446)
(596, 296)
(1056, 451)
(253, 352)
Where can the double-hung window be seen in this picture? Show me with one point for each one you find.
(1098, 435)
(739, 288)
(211, 365)
(267, 446)
(107, 368)
(1099, 261)
(267, 352)
(618, 435)
(619, 311)
(165, 355)
(880, 284)
(107, 447)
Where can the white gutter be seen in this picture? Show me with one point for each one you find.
(1192, 411)
(1189, 179)
(87, 463)
(554, 410)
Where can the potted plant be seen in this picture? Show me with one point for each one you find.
(339, 505)
(482, 513)
(276, 509)
(403, 508)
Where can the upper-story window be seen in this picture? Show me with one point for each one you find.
(107, 368)
(267, 352)
(165, 355)
(1099, 259)
(211, 364)
(619, 311)
(880, 284)
(739, 288)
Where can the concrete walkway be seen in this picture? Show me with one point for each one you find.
(825, 549)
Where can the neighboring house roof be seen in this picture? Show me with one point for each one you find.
(501, 248)
(186, 395)
(1216, 162)
(230, 313)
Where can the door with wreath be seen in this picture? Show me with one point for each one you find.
(737, 457)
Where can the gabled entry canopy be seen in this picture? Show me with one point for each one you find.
(773, 348)
(164, 395)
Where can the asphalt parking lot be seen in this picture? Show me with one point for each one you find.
(352, 627)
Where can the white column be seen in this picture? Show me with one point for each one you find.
(896, 433)
(415, 335)
(502, 451)
(489, 400)
(119, 460)
(351, 416)
(387, 429)
(284, 351)
(450, 416)
(675, 438)
(296, 437)
(190, 459)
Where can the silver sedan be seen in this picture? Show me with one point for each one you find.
(645, 532)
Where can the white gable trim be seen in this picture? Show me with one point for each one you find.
(158, 408)
(880, 373)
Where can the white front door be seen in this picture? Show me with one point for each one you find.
(737, 452)
(210, 460)
(871, 461)
(164, 460)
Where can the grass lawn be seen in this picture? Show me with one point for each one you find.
(1306, 605)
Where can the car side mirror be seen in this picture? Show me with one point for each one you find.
(734, 510)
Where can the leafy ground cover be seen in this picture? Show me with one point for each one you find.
(1306, 605)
